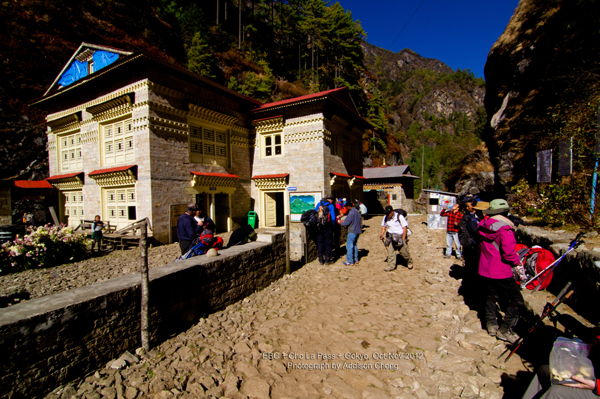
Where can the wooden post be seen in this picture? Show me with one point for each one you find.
(145, 287)
(287, 244)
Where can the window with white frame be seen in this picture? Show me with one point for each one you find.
(208, 146)
(272, 144)
(121, 206)
(69, 149)
(117, 142)
(73, 206)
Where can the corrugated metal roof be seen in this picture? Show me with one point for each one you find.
(110, 170)
(385, 172)
(32, 184)
(277, 176)
(66, 176)
(211, 174)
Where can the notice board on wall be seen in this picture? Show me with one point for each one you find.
(544, 166)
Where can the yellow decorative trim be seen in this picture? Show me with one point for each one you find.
(71, 183)
(90, 137)
(241, 142)
(140, 123)
(302, 121)
(210, 116)
(269, 125)
(127, 89)
(61, 123)
(271, 183)
(110, 105)
(114, 179)
(166, 108)
(212, 181)
(165, 90)
(340, 120)
(51, 142)
(314, 135)
(113, 113)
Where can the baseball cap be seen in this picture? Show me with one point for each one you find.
(388, 209)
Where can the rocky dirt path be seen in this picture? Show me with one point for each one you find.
(328, 332)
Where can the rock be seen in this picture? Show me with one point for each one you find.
(131, 393)
(212, 252)
(374, 393)
(255, 388)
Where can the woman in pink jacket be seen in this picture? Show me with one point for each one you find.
(498, 257)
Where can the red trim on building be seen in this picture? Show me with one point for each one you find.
(66, 176)
(360, 177)
(110, 170)
(340, 175)
(229, 175)
(32, 184)
(270, 176)
(301, 98)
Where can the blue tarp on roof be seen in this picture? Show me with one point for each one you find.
(76, 71)
(103, 58)
(79, 69)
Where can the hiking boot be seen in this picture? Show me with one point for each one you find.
(389, 269)
(507, 336)
(492, 330)
(348, 264)
(446, 256)
(409, 265)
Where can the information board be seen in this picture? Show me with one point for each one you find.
(544, 166)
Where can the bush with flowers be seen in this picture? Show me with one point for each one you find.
(43, 246)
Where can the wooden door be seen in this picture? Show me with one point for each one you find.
(270, 210)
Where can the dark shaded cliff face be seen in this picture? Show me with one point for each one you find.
(541, 75)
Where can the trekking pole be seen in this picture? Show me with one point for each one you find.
(574, 244)
(549, 308)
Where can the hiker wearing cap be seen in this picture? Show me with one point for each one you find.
(454, 217)
(497, 258)
(467, 231)
(327, 217)
(394, 228)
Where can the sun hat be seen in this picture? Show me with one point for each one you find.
(497, 206)
(481, 206)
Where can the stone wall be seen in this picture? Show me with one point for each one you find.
(578, 267)
(48, 341)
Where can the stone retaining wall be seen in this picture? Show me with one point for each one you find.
(48, 341)
(577, 267)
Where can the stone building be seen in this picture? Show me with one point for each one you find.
(132, 136)
(390, 185)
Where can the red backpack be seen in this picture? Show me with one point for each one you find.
(535, 260)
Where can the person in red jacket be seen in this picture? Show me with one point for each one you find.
(454, 217)
(497, 258)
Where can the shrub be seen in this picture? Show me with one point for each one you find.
(43, 246)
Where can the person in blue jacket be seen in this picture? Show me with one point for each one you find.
(326, 211)
(187, 228)
(353, 221)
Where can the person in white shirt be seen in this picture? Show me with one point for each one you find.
(397, 227)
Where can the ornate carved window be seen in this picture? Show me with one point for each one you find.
(208, 146)
(117, 142)
(69, 150)
(121, 206)
(73, 206)
(272, 145)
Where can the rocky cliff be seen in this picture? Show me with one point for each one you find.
(542, 78)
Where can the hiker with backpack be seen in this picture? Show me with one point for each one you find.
(394, 228)
(467, 231)
(353, 221)
(326, 224)
(497, 258)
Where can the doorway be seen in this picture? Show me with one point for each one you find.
(274, 209)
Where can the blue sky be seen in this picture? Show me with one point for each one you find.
(459, 33)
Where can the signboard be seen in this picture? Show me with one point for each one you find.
(302, 202)
(212, 188)
(291, 188)
(544, 166)
(176, 211)
(565, 157)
